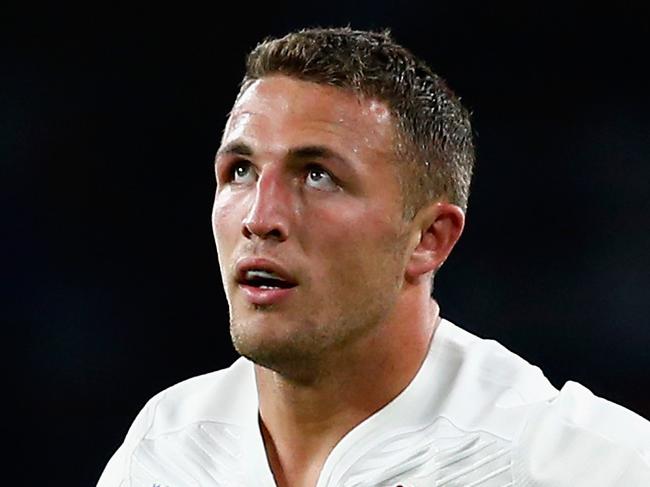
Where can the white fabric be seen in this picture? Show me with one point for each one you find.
(475, 415)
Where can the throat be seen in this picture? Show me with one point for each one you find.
(292, 465)
(302, 424)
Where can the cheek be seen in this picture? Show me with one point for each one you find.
(226, 220)
(355, 246)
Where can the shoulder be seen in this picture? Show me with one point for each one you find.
(216, 396)
(487, 370)
(580, 439)
(222, 397)
(557, 438)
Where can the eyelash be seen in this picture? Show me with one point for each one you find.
(309, 168)
(228, 173)
(235, 166)
(231, 171)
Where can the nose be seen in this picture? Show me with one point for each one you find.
(267, 218)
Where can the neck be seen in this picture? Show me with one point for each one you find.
(302, 422)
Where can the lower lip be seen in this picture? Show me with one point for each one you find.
(256, 295)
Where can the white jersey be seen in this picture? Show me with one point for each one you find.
(475, 415)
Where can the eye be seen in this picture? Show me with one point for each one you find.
(242, 172)
(319, 178)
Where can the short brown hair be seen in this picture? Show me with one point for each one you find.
(434, 135)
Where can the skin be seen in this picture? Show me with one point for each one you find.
(332, 218)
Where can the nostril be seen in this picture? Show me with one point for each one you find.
(276, 233)
(246, 231)
(263, 230)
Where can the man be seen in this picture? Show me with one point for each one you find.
(342, 181)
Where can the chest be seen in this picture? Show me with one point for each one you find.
(213, 454)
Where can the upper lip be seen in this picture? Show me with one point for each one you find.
(259, 263)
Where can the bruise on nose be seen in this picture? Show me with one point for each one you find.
(271, 208)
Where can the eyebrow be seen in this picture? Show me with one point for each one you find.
(314, 152)
(236, 148)
(305, 152)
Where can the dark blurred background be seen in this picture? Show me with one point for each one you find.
(112, 113)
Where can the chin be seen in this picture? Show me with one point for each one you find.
(283, 360)
(274, 346)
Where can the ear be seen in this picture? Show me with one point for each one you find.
(438, 228)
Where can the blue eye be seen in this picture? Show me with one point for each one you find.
(319, 178)
(242, 173)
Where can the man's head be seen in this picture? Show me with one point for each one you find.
(320, 240)
(433, 147)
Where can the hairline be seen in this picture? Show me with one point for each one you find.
(403, 148)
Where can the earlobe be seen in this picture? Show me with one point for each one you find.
(440, 226)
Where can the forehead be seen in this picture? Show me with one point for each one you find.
(286, 111)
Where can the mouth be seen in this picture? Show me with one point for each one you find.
(264, 282)
(263, 279)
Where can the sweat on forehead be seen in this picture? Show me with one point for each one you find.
(270, 103)
(365, 103)
(434, 138)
